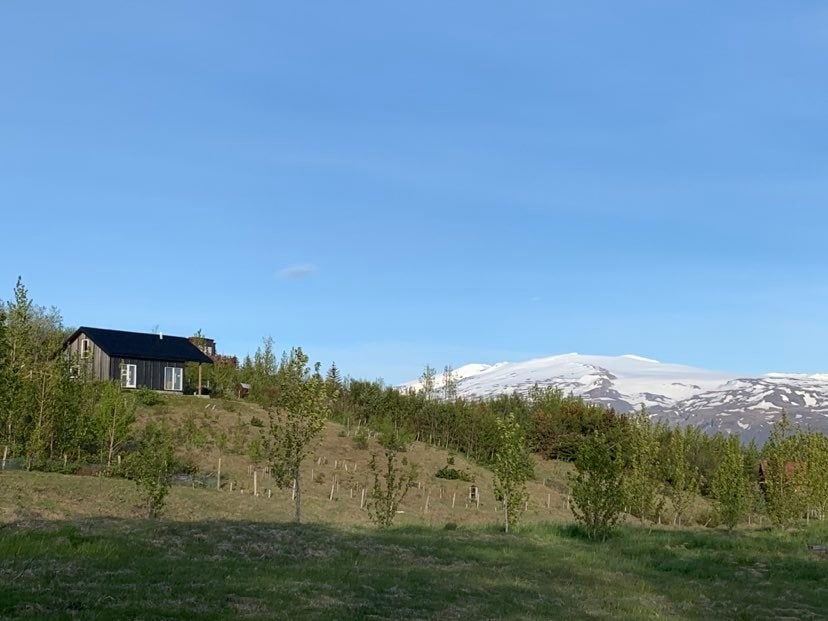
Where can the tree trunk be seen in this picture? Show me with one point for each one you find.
(297, 499)
(506, 510)
(111, 440)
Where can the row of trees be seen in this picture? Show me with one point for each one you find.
(49, 410)
(641, 468)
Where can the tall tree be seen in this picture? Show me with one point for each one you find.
(643, 480)
(392, 480)
(681, 475)
(598, 485)
(114, 414)
(817, 474)
(449, 383)
(512, 468)
(298, 407)
(784, 474)
(427, 381)
(731, 487)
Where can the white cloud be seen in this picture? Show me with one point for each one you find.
(297, 272)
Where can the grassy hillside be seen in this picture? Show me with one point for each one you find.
(78, 547)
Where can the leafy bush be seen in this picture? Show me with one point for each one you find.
(256, 422)
(148, 397)
(151, 467)
(453, 474)
(361, 440)
(185, 465)
(598, 487)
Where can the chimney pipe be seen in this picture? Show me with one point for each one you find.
(161, 335)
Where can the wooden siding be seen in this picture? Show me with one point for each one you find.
(149, 373)
(99, 362)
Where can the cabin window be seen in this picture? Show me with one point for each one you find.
(129, 375)
(173, 378)
(85, 348)
(74, 371)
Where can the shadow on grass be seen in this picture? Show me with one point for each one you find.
(138, 569)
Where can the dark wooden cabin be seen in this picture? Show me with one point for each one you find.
(137, 359)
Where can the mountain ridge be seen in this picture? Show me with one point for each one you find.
(675, 393)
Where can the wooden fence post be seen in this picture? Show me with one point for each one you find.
(218, 475)
(362, 499)
(255, 484)
(5, 454)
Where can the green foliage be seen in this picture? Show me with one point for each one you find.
(360, 439)
(449, 384)
(427, 382)
(255, 450)
(113, 417)
(731, 486)
(816, 478)
(391, 482)
(784, 470)
(453, 474)
(643, 479)
(298, 405)
(151, 467)
(681, 475)
(148, 397)
(598, 485)
(512, 468)
(256, 422)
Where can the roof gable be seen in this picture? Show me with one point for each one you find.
(121, 344)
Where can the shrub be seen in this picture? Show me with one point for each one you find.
(151, 467)
(148, 397)
(256, 422)
(391, 482)
(361, 440)
(450, 526)
(453, 474)
(598, 487)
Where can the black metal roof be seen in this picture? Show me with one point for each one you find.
(141, 345)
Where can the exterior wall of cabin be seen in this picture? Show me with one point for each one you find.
(149, 373)
(97, 359)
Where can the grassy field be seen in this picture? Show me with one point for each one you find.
(103, 568)
(77, 547)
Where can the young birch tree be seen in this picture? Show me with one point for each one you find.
(731, 486)
(512, 468)
(298, 405)
(392, 482)
(642, 481)
(682, 476)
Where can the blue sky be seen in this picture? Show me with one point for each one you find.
(390, 185)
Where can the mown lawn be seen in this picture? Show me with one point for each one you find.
(136, 569)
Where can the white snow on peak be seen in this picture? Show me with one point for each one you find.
(641, 358)
(629, 378)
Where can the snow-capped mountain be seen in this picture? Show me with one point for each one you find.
(676, 393)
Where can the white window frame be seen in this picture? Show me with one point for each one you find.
(176, 382)
(85, 348)
(125, 375)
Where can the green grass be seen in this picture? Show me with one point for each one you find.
(136, 569)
